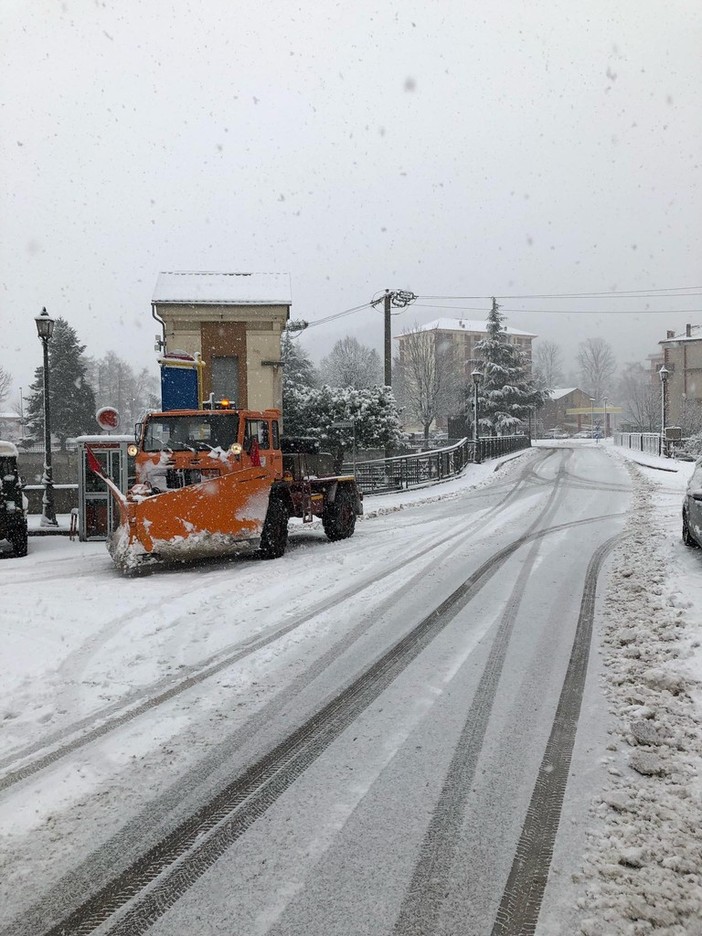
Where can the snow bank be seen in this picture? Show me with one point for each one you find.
(643, 868)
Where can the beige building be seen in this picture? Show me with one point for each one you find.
(682, 355)
(234, 322)
(462, 335)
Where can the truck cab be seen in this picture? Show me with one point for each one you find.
(178, 448)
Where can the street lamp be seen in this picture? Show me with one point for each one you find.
(592, 417)
(663, 374)
(45, 329)
(604, 418)
(477, 377)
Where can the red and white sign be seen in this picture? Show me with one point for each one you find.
(107, 418)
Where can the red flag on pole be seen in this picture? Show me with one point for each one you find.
(93, 463)
(96, 468)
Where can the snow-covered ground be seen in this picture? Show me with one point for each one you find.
(643, 871)
(63, 669)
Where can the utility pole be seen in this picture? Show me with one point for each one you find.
(388, 339)
(398, 298)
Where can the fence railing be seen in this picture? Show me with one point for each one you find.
(404, 471)
(639, 441)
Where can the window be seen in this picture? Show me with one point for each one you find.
(202, 432)
(256, 429)
(225, 378)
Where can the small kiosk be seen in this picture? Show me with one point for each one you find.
(98, 514)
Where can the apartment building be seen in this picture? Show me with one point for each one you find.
(682, 356)
(462, 335)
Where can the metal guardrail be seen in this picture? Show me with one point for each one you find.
(404, 471)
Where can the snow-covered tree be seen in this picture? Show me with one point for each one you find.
(640, 399)
(546, 365)
(299, 376)
(351, 364)
(5, 384)
(428, 378)
(597, 366)
(71, 397)
(508, 391)
(298, 369)
(317, 411)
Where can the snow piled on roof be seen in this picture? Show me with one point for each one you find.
(449, 324)
(695, 335)
(560, 393)
(224, 288)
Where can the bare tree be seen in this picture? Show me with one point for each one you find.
(351, 364)
(429, 379)
(640, 399)
(5, 384)
(597, 366)
(546, 365)
(117, 384)
(690, 417)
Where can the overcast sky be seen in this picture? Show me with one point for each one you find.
(449, 148)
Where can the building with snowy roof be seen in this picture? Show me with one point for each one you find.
(234, 322)
(554, 413)
(10, 426)
(682, 356)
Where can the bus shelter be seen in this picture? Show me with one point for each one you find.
(98, 515)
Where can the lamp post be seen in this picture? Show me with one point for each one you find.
(663, 374)
(477, 377)
(592, 417)
(604, 418)
(45, 329)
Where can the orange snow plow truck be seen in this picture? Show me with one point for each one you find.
(220, 481)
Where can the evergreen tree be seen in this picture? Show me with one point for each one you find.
(71, 396)
(299, 376)
(298, 369)
(508, 392)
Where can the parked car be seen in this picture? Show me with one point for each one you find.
(692, 509)
(13, 503)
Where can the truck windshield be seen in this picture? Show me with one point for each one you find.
(202, 432)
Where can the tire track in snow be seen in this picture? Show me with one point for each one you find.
(420, 910)
(518, 912)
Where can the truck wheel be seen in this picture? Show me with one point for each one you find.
(18, 539)
(274, 537)
(339, 518)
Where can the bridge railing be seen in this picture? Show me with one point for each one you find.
(401, 472)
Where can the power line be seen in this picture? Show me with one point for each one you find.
(337, 315)
(456, 308)
(673, 291)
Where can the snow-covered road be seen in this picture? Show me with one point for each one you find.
(372, 736)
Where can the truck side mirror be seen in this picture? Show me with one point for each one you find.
(137, 432)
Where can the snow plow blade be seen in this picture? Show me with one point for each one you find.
(216, 517)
